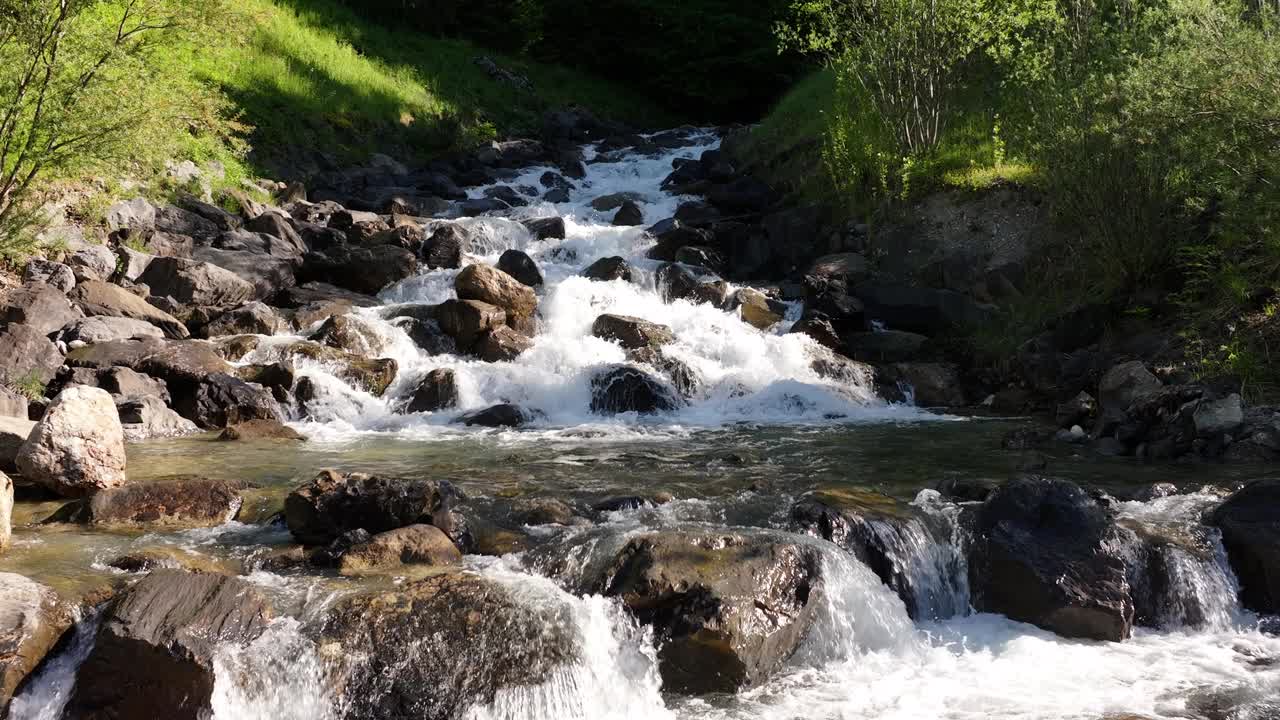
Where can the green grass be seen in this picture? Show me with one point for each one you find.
(310, 75)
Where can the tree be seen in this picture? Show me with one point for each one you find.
(79, 83)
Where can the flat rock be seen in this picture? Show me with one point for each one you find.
(177, 503)
(96, 298)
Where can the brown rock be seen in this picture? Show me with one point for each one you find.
(412, 545)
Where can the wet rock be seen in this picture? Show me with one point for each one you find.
(26, 356)
(41, 307)
(728, 609)
(333, 504)
(259, 430)
(629, 389)
(502, 415)
(318, 295)
(373, 375)
(892, 538)
(145, 417)
(613, 201)
(154, 651)
(629, 215)
(933, 384)
(45, 272)
(542, 511)
(684, 378)
(1250, 525)
(96, 298)
(78, 446)
(178, 503)
(672, 235)
(1076, 411)
(1044, 554)
(255, 318)
(435, 647)
(608, 269)
(819, 328)
(1121, 386)
(427, 335)
(699, 256)
(962, 489)
(93, 330)
(194, 283)
(437, 391)
(1213, 418)
(445, 247)
(631, 333)
(520, 266)
(491, 285)
(551, 228)
(501, 344)
(352, 334)
(221, 399)
(6, 511)
(411, 545)
(365, 270)
(32, 619)
(170, 558)
(466, 321)
(759, 311)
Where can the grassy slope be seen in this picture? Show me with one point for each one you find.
(310, 74)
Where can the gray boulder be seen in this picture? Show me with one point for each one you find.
(77, 448)
(41, 307)
(101, 329)
(49, 273)
(190, 282)
(97, 298)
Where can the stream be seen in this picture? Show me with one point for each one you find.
(761, 430)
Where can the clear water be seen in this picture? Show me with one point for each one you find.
(764, 430)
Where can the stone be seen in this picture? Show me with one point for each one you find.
(543, 511)
(96, 298)
(1046, 553)
(53, 274)
(501, 344)
(608, 269)
(685, 380)
(41, 307)
(622, 389)
(12, 403)
(100, 329)
(446, 246)
(176, 362)
(436, 647)
(195, 283)
(77, 448)
(32, 619)
(520, 266)
(278, 377)
(613, 201)
(466, 321)
(352, 334)
(162, 244)
(1076, 410)
(265, 272)
(194, 502)
(131, 264)
(1250, 523)
(93, 262)
(551, 228)
(153, 655)
(222, 399)
(759, 311)
(1121, 386)
(884, 346)
(27, 356)
(364, 270)
(137, 217)
(502, 415)
(704, 593)
(410, 545)
(921, 310)
(932, 384)
(1213, 418)
(629, 215)
(437, 391)
(427, 335)
(372, 375)
(258, 430)
(14, 432)
(333, 504)
(146, 417)
(491, 285)
(278, 226)
(6, 511)
(631, 333)
(255, 318)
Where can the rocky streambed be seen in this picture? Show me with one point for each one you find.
(509, 437)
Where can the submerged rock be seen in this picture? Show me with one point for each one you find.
(32, 618)
(256, 430)
(154, 651)
(503, 415)
(436, 647)
(332, 504)
(1250, 525)
(78, 446)
(630, 389)
(1045, 552)
(177, 503)
(728, 608)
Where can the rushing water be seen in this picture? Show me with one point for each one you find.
(762, 430)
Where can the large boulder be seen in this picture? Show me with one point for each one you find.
(180, 363)
(97, 298)
(352, 334)
(1121, 386)
(520, 266)
(41, 307)
(728, 608)
(434, 648)
(491, 285)
(608, 269)
(410, 545)
(32, 619)
(501, 344)
(77, 448)
(153, 655)
(437, 391)
(254, 318)
(546, 228)
(364, 269)
(136, 217)
(1250, 525)
(1045, 553)
(631, 333)
(265, 272)
(93, 330)
(446, 246)
(176, 503)
(903, 546)
(27, 356)
(221, 399)
(333, 504)
(466, 321)
(624, 388)
(92, 262)
(932, 384)
(146, 417)
(194, 283)
(49, 273)
(758, 310)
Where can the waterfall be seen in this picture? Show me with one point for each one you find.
(48, 691)
(278, 676)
